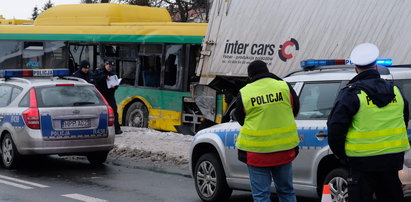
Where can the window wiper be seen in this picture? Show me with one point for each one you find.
(82, 103)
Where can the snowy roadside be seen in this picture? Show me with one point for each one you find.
(160, 149)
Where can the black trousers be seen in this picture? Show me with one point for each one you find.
(112, 102)
(386, 186)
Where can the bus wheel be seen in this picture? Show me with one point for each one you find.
(137, 115)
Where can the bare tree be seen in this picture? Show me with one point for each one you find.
(186, 8)
(151, 3)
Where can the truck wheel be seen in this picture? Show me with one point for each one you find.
(209, 179)
(9, 154)
(337, 180)
(137, 115)
(97, 158)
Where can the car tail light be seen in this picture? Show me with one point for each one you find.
(32, 116)
(110, 116)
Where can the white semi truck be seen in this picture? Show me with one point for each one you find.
(284, 32)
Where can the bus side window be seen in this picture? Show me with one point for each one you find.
(170, 75)
(54, 54)
(111, 51)
(150, 70)
(10, 54)
(128, 72)
(33, 55)
(174, 66)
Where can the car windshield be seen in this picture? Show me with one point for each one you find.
(64, 96)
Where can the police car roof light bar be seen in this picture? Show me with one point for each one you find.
(311, 64)
(6, 73)
(384, 62)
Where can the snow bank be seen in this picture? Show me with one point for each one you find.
(146, 144)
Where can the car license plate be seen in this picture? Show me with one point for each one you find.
(81, 123)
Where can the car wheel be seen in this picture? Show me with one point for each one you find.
(97, 158)
(9, 154)
(137, 115)
(337, 180)
(209, 178)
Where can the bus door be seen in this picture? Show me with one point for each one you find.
(127, 64)
(79, 52)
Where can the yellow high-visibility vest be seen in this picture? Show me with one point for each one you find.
(376, 131)
(269, 124)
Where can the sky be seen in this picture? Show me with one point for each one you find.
(22, 9)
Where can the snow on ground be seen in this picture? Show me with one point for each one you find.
(138, 144)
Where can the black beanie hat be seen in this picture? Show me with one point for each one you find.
(84, 64)
(257, 67)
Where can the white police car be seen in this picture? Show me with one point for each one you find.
(213, 155)
(42, 112)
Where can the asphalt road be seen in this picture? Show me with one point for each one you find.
(51, 179)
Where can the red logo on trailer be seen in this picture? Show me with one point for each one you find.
(286, 56)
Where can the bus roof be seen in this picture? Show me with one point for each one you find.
(100, 15)
(106, 23)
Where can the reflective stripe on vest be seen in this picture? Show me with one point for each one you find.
(269, 124)
(376, 131)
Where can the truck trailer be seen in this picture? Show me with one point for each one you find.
(283, 33)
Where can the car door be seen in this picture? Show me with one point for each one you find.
(10, 114)
(316, 102)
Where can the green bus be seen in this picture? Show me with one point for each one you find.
(155, 57)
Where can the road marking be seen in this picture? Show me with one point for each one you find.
(24, 181)
(81, 197)
(15, 184)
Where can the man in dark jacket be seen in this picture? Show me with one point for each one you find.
(268, 140)
(367, 130)
(84, 71)
(100, 77)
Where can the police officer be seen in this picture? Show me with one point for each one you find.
(268, 140)
(367, 130)
(100, 77)
(84, 71)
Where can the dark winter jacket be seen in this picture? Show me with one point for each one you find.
(80, 74)
(100, 81)
(347, 105)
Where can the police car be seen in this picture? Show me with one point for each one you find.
(43, 112)
(213, 156)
